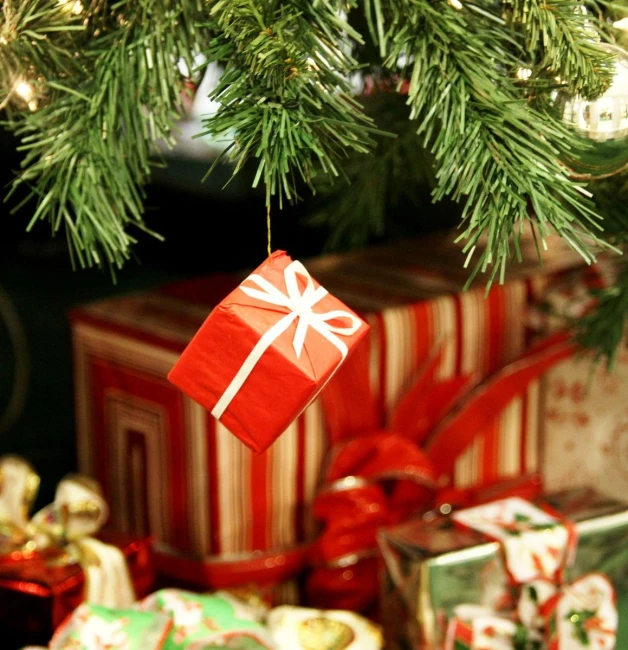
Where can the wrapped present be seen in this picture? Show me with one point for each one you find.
(173, 619)
(302, 628)
(576, 616)
(207, 620)
(222, 515)
(91, 627)
(267, 350)
(385, 476)
(584, 425)
(446, 574)
(60, 557)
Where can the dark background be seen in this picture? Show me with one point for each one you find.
(206, 230)
(208, 227)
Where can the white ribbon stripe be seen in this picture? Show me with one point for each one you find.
(300, 307)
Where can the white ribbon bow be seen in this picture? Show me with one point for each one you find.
(299, 306)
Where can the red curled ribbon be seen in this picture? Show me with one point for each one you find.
(380, 474)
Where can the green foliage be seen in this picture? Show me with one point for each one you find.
(285, 92)
(561, 42)
(105, 86)
(397, 176)
(89, 142)
(492, 148)
(604, 329)
(36, 41)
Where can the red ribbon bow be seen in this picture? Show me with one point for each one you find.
(381, 473)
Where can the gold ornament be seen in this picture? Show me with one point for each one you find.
(601, 123)
(323, 633)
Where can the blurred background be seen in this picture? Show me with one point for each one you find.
(208, 226)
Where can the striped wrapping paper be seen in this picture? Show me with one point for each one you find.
(168, 468)
(480, 334)
(166, 465)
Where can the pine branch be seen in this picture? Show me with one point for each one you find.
(89, 146)
(492, 149)
(37, 41)
(605, 329)
(285, 93)
(398, 173)
(611, 197)
(562, 41)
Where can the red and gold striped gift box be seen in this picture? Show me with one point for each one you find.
(169, 469)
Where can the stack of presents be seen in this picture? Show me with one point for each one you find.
(455, 484)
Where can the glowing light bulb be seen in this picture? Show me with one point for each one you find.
(524, 74)
(72, 6)
(621, 24)
(24, 90)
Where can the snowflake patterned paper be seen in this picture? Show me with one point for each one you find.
(585, 431)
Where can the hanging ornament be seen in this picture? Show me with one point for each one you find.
(601, 123)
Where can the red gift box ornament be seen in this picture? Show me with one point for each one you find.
(242, 368)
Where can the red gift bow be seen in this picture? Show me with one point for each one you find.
(362, 492)
(382, 476)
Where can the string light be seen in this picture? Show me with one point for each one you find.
(72, 6)
(24, 90)
(524, 74)
(621, 24)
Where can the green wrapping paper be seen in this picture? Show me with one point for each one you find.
(433, 566)
(203, 621)
(169, 619)
(93, 627)
(172, 619)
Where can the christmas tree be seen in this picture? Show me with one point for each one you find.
(503, 107)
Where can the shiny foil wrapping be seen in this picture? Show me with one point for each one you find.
(38, 591)
(432, 566)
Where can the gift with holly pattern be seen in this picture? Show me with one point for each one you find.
(173, 619)
(507, 574)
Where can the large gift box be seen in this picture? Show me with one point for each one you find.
(222, 515)
(445, 573)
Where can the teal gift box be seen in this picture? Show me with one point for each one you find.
(433, 566)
